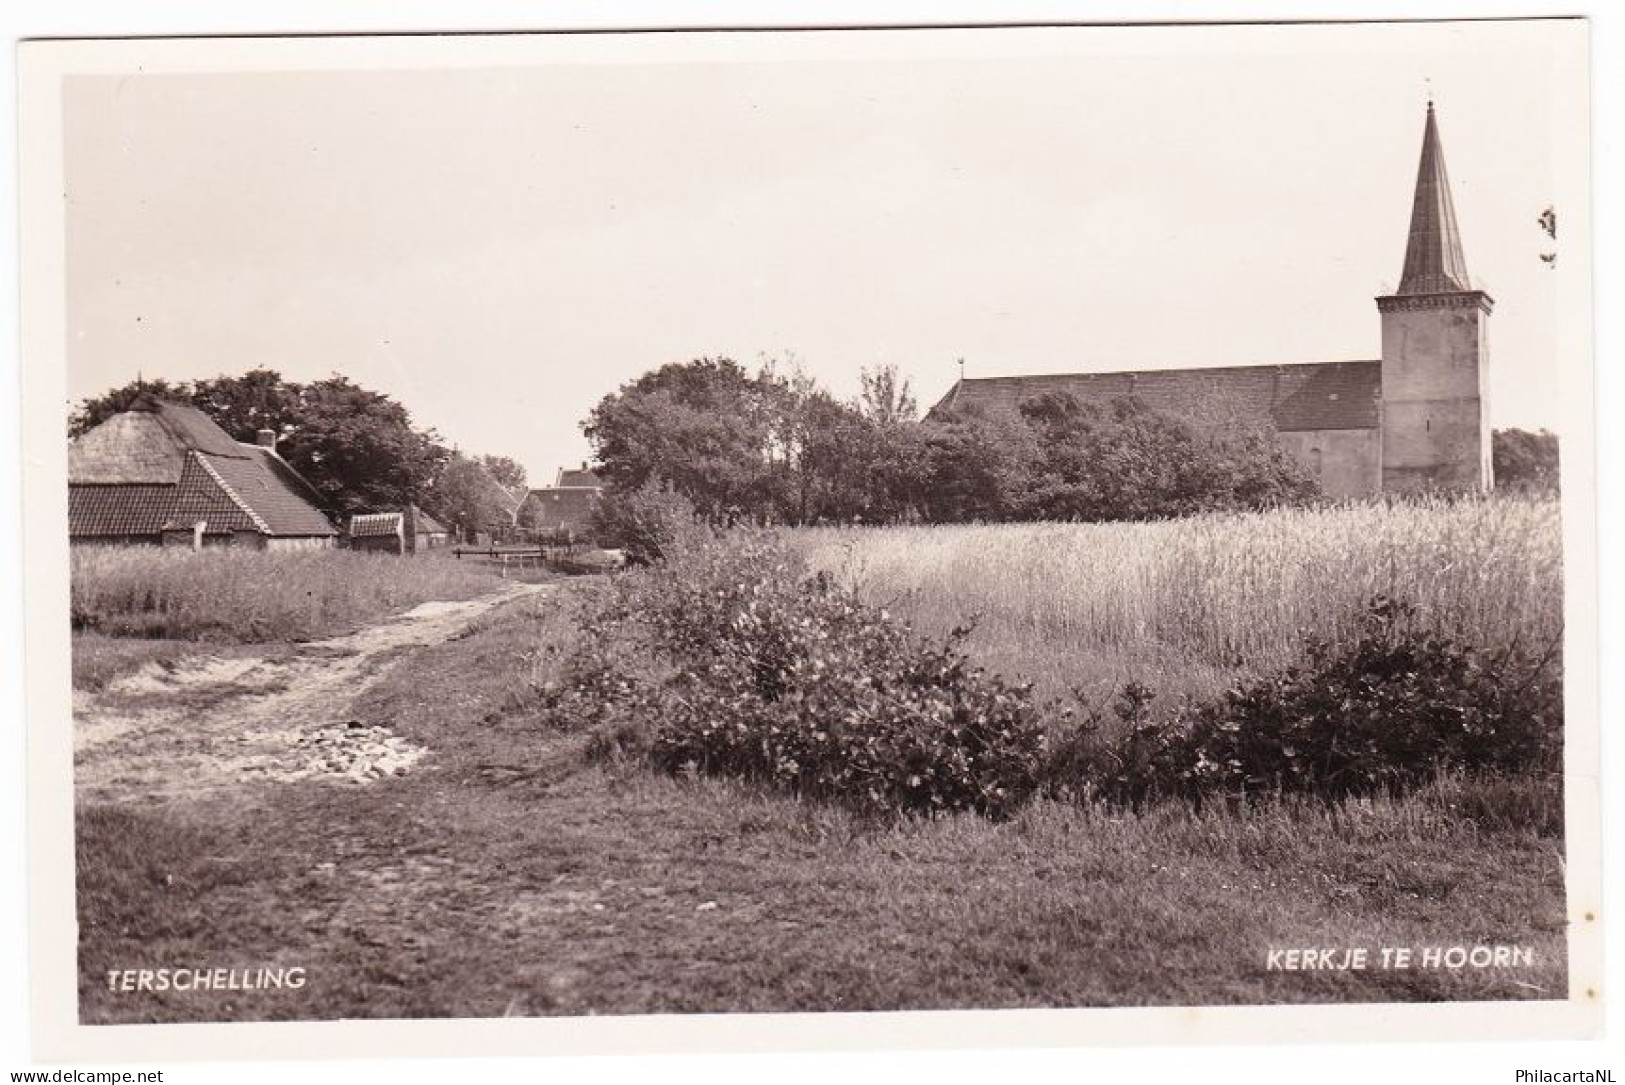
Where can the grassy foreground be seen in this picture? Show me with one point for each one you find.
(506, 875)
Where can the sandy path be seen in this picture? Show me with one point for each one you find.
(211, 723)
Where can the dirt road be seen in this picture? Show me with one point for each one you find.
(210, 723)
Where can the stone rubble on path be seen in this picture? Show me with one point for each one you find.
(360, 753)
(352, 751)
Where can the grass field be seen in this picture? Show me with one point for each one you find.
(507, 876)
(236, 596)
(1186, 605)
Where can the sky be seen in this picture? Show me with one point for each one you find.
(499, 243)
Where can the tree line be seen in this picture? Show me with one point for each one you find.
(774, 447)
(710, 438)
(359, 449)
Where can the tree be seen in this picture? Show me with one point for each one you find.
(1524, 460)
(359, 448)
(1056, 458)
(1123, 460)
(356, 447)
(975, 463)
(506, 471)
(94, 411)
(768, 447)
(242, 406)
(823, 453)
(466, 494)
(887, 399)
(704, 428)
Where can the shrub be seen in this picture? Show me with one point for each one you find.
(754, 668)
(729, 658)
(1389, 712)
(1525, 461)
(648, 524)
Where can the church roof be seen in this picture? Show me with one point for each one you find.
(1434, 263)
(1292, 398)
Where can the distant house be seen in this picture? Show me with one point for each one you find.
(163, 473)
(424, 532)
(563, 509)
(384, 532)
(504, 505)
(582, 477)
(411, 531)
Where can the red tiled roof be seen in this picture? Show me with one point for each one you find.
(555, 507)
(104, 510)
(227, 494)
(1314, 396)
(572, 476)
(201, 496)
(260, 483)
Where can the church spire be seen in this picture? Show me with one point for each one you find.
(1433, 260)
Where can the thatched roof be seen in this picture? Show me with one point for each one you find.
(147, 444)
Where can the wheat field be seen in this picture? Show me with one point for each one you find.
(1186, 605)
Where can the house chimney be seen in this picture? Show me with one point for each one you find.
(583, 465)
(265, 438)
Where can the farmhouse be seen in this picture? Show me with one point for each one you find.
(162, 473)
(1414, 419)
(564, 508)
(410, 531)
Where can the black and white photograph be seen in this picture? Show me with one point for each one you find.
(799, 525)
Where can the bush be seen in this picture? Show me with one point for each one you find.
(728, 658)
(753, 668)
(1525, 461)
(648, 524)
(1382, 716)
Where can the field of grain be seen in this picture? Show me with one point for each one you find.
(1186, 605)
(237, 596)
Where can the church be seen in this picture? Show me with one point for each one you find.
(1414, 420)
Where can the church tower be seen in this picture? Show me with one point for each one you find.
(1435, 417)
